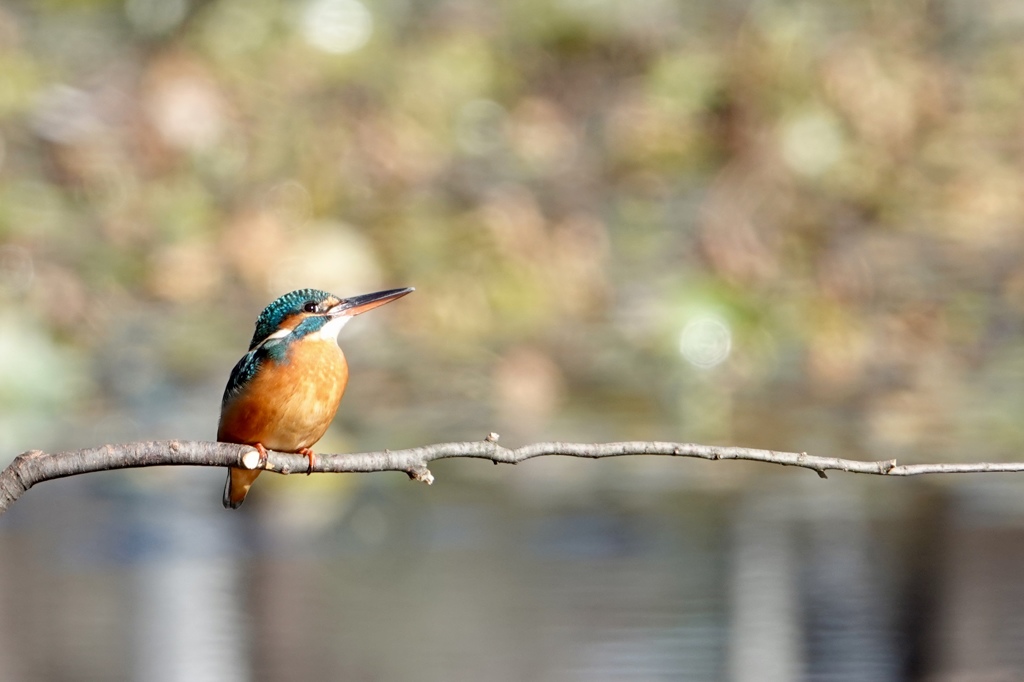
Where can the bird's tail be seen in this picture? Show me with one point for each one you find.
(237, 486)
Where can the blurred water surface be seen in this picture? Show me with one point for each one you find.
(476, 580)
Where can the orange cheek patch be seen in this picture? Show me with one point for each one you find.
(292, 321)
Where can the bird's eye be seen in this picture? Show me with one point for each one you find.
(310, 306)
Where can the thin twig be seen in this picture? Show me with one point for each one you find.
(35, 466)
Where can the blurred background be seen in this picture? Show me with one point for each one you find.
(779, 224)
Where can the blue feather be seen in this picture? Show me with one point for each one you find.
(243, 372)
(249, 366)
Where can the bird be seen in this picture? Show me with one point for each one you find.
(284, 392)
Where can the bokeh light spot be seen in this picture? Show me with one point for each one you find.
(705, 341)
(187, 110)
(812, 143)
(336, 26)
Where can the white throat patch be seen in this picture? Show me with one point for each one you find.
(330, 331)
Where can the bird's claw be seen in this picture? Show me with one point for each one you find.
(312, 459)
(264, 456)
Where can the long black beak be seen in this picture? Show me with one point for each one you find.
(360, 304)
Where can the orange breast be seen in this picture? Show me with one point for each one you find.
(288, 406)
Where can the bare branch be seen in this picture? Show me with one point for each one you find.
(35, 466)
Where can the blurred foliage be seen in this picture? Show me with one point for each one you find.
(781, 224)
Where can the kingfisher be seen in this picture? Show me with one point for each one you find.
(283, 394)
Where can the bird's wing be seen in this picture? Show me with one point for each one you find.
(273, 348)
(242, 373)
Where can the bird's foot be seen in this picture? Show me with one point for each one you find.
(312, 459)
(263, 456)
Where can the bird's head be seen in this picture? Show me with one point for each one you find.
(310, 311)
